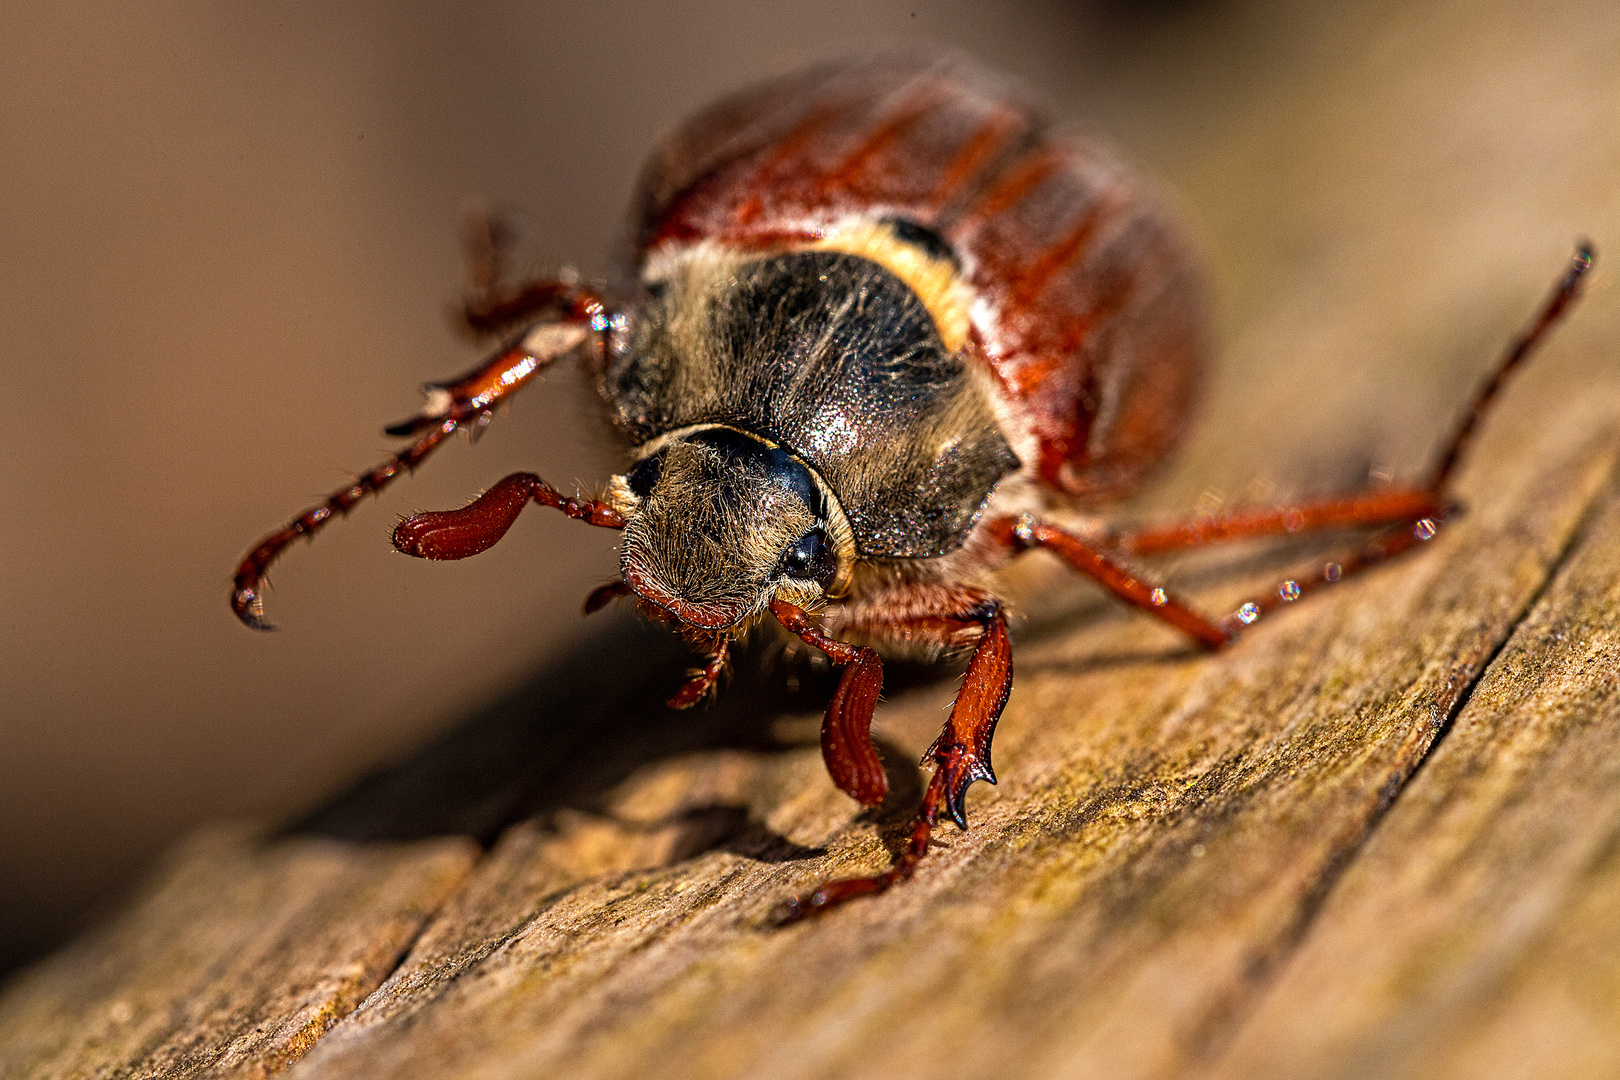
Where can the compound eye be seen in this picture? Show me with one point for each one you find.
(644, 477)
(810, 558)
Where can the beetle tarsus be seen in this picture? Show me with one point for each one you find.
(961, 771)
(825, 897)
(1566, 292)
(961, 754)
(247, 599)
(248, 605)
(962, 751)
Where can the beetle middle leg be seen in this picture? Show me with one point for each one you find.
(961, 754)
(1391, 506)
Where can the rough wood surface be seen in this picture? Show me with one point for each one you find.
(1381, 836)
(1146, 886)
(238, 958)
(1476, 933)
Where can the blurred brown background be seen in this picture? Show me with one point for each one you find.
(228, 251)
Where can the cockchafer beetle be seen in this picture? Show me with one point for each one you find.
(883, 321)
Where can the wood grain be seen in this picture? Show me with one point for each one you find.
(1475, 934)
(1146, 885)
(241, 954)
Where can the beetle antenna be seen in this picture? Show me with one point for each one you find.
(1563, 294)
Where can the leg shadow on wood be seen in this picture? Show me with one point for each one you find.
(569, 737)
(594, 716)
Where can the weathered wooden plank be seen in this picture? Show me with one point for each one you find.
(239, 956)
(1479, 932)
(1172, 834)
(1166, 828)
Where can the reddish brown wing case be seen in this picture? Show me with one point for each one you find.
(1089, 312)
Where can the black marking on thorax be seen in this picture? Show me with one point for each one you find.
(923, 238)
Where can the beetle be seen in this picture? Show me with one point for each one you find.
(882, 323)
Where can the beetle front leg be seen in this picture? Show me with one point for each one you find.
(961, 754)
(846, 731)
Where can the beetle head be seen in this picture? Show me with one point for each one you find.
(721, 521)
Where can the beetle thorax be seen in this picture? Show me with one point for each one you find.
(778, 397)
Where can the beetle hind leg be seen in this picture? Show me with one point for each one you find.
(1403, 516)
(1382, 547)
